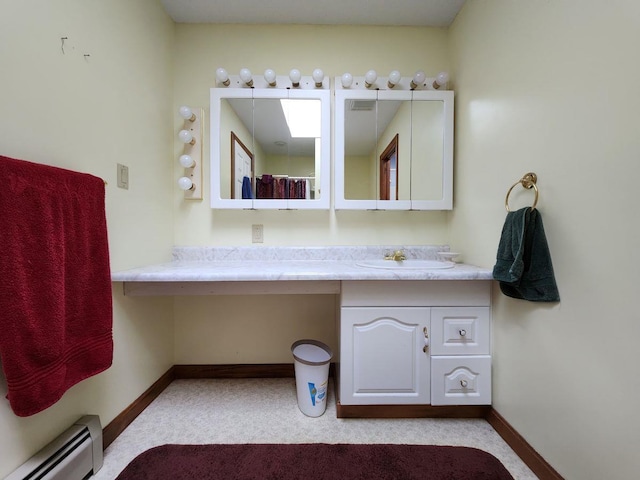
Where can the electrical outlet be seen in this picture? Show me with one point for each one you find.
(123, 176)
(257, 234)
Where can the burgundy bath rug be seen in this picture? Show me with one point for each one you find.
(314, 460)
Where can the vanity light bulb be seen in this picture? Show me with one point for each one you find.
(223, 76)
(318, 77)
(270, 77)
(295, 76)
(370, 78)
(185, 183)
(186, 136)
(245, 76)
(187, 114)
(394, 78)
(186, 161)
(346, 79)
(441, 79)
(418, 79)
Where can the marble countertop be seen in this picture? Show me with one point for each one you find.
(229, 264)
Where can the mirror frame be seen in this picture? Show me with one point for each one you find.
(322, 203)
(444, 203)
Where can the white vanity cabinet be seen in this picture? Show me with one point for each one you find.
(415, 343)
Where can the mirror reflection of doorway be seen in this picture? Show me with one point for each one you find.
(389, 171)
(242, 167)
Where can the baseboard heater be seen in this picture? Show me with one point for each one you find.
(74, 455)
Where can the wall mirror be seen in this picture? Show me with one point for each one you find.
(270, 148)
(393, 150)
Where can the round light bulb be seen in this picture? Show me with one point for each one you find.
(245, 76)
(185, 183)
(441, 79)
(222, 76)
(346, 79)
(370, 78)
(270, 77)
(418, 79)
(186, 161)
(318, 77)
(295, 76)
(186, 113)
(394, 78)
(186, 136)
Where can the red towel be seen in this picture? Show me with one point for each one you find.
(55, 296)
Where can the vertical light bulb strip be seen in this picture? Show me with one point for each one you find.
(191, 157)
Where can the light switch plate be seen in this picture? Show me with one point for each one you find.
(257, 233)
(123, 176)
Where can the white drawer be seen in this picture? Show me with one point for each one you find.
(461, 380)
(460, 331)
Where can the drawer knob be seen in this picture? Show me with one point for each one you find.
(463, 383)
(462, 332)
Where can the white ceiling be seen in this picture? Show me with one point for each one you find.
(432, 13)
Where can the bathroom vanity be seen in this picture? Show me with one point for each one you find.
(412, 340)
(415, 342)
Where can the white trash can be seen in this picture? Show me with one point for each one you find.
(311, 362)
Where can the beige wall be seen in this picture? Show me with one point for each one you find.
(359, 178)
(257, 329)
(87, 115)
(552, 87)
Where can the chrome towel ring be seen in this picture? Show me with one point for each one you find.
(528, 181)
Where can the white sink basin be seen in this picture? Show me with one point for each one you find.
(412, 264)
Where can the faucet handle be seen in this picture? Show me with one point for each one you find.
(397, 255)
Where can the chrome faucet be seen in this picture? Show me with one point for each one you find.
(397, 256)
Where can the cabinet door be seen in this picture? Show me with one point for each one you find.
(383, 356)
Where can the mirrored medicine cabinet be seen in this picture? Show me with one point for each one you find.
(270, 148)
(393, 150)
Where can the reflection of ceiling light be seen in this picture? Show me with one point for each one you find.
(303, 117)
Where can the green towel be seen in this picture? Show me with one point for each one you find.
(523, 262)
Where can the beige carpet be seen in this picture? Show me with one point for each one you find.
(266, 411)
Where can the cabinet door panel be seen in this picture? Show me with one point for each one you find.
(383, 359)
